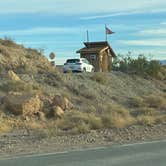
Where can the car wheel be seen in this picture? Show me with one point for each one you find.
(93, 70)
(84, 70)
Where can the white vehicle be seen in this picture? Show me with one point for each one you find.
(77, 65)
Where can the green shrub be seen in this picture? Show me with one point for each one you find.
(140, 66)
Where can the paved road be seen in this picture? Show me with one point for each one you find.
(140, 154)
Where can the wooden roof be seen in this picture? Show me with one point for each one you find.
(96, 47)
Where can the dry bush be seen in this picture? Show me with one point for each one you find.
(94, 122)
(161, 119)
(101, 78)
(117, 116)
(79, 121)
(146, 120)
(8, 123)
(136, 102)
(34, 125)
(4, 51)
(90, 109)
(17, 86)
(81, 128)
(82, 89)
(155, 101)
(5, 126)
(71, 121)
(146, 111)
(7, 41)
(117, 120)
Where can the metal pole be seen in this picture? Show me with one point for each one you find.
(87, 36)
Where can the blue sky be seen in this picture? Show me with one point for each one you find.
(60, 25)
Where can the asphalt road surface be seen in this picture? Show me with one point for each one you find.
(139, 154)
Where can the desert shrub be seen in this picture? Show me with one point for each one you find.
(50, 78)
(101, 78)
(81, 128)
(5, 126)
(136, 102)
(117, 116)
(16, 86)
(118, 109)
(95, 122)
(25, 68)
(90, 109)
(155, 101)
(4, 50)
(146, 111)
(146, 120)
(88, 93)
(7, 41)
(114, 119)
(82, 89)
(80, 122)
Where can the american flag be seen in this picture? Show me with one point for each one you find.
(108, 31)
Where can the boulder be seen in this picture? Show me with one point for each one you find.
(62, 102)
(13, 76)
(58, 112)
(23, 104)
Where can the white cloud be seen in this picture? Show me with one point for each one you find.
(79, 6)
(40, 30)
(159, 31)
(123, 13)
(52, 30)
(145, 42)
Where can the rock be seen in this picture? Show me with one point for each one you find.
(13, 76)
(24, 104)
(62, 102)
(58, 112)
(41, 116)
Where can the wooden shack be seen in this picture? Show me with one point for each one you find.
(99, 54)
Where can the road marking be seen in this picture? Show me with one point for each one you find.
(34, 155)
(142, 143)
(89, 149)
(80, 150)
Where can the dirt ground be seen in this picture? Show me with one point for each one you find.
(21, 142)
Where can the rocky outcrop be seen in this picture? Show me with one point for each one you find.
(58, 112)
(23, 104)
(62, 102)
(13, 76)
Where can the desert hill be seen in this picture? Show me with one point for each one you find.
(35, 96)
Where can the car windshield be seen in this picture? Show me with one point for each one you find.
(73, 60)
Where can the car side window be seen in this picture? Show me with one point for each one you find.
(86, 61)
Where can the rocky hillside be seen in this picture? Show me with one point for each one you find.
(34, 96)
(21, 60)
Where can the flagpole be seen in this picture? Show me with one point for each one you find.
(106, 38)
(87, 32)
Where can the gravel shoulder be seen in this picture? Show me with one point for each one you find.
(20, 143)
